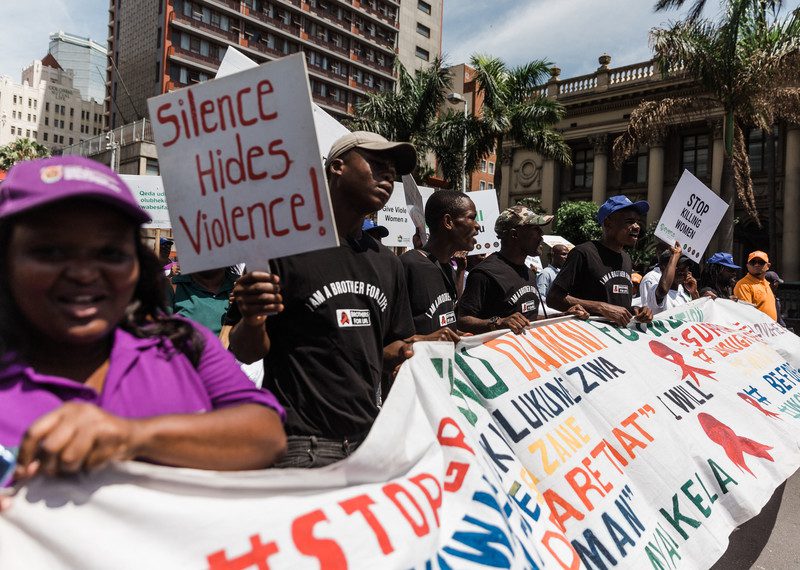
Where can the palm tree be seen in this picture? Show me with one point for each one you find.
(513, 109)
(21, 149)
(745, 64)
(408, 113)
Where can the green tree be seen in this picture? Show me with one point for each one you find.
(577, 222)
(745, 63)
(21, 149)
(407, 114)
(513, 109)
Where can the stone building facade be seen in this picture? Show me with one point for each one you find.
(598, 107)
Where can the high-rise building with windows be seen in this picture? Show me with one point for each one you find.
(87, 60)
(350, 45)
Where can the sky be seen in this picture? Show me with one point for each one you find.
(570, 33)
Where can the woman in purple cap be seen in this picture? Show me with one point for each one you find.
(92, 370)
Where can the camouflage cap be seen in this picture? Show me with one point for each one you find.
(517, 216)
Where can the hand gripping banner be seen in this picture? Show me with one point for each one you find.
(576, 444)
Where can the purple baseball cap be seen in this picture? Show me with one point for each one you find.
(35, 183)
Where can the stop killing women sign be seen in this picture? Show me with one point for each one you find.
(242, 172)
(691, 216)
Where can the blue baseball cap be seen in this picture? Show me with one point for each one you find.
(724, 259)
(374, 229)
(617, 203)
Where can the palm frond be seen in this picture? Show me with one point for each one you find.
(741, 174)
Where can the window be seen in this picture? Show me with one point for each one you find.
(694, 156)
(483, 166)
(634, 170)
(422, 53)
(482, 185)
(582, 169)
(13, 130)
(424, 31)
(45, 137)
(757, 149)
(491, 168)
(47, 106)
(424, 7)
(491, 186)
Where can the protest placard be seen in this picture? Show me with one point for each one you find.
(241, 166)
(691, 216)
(149, 192)
(488, 211)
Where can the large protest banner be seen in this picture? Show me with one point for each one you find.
(691, 216)
(241, 167)
(575, 444)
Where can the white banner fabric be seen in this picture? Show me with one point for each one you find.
(575, 444)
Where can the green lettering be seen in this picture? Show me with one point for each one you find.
(489, 392)
(723, 483)
(676, 518)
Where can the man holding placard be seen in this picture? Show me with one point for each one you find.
(671, 283)
(597, 274)
(431, 280)
(342, 313)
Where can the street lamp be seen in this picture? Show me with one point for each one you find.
(459, 98)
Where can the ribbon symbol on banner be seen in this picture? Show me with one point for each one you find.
(665, 352)
(750, 400)
(735, 446)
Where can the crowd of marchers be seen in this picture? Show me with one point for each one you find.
(107, 355)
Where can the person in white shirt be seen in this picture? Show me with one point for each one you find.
(671, 284)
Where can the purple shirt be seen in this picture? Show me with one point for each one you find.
(146, 377)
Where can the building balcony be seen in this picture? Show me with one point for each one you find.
(340, 106)
(378, 14)
(387, 69)
(329, 45)
(330, 17)
(210, 61)
(376, 41)
(328, 73)
(191, 23)
(232, 4)
(292, 27)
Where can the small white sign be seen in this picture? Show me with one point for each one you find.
(395, 218)
(149, 192)
(242, 172)
(691, 216)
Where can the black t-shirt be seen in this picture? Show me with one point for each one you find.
(341, 307)
(499, 288)
(431, 291)
(596, 273)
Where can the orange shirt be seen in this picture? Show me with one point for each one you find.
(758, 292)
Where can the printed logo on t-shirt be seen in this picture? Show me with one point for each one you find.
(353, 318)
(447, 319)
(619, 289)
(528, 307)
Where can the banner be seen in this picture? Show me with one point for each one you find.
(239, 189)
(575, 444)
(691, 216)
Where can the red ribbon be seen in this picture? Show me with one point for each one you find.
(735, 446)
(752, 401)
(665, 352)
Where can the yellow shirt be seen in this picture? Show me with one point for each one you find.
(758, 292)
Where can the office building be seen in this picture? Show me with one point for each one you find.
(350, 45)
(87, 60)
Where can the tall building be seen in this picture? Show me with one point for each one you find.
(47, 108)
(598, 106)
(87, 60)
(350, 45)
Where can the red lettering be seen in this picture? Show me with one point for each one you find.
(596, 474)
(326, 551)
(582, 489)
(393, 491)
(458, 472)
(434, 502)
(237, 213)
(456, 440)
(549, 536)
(554, 500)
(263, 88)
(255, 152)
(361, 505)
(298, 201)
(274, 151)
(164, 118)
(240, 107)
(258, 556)
(206, 109)
(195, 242)
(276, 231)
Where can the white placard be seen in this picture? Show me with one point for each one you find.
(328, 129)
(488, 211)
(242, 172)
(691, 216)
(149, 192)
(395, 218)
